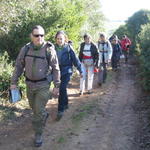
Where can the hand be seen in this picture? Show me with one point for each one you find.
(13, 86)
(96, 69)
(81, 75)
(109, 60)
(55, 91)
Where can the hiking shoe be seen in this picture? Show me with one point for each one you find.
(66, 107)
(81, 93)
(100, 84)
(59, 115)
(45, 119)
(89, 92)
(38, 140)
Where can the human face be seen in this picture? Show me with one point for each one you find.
(102, 38)
(37, 36)
(114, 41)
(60, 39)
(87, 40)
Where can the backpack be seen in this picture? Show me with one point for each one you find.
(103, 44)
(48, 53)
(48, 56)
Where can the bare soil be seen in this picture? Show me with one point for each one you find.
(114, 117)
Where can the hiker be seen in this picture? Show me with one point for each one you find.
(88, 56)
(125, 45)
(114, 36)
(67, 59)
(117, 52)
(34, 61)
(105, 54)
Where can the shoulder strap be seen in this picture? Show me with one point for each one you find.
(26, 49)
(107, 44)
(69, 49)
(48, 52)
(48, 56)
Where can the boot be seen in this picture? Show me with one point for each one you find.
(59, 115)
(38, 140)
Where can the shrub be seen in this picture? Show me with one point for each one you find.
(5, 76)
(144, 37)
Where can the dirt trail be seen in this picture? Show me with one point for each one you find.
(105, 120)
(116, 127)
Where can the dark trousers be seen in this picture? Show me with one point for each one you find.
(63, 97)
(102, 75)
(114, 62)
(126, 55)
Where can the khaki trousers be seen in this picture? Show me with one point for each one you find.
(38, 99)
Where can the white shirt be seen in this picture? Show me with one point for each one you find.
(86, 50)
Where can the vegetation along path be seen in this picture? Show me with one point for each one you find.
(108, 119)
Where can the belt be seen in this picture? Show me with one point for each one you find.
(104, 51)
(44, 79)
(87, 57)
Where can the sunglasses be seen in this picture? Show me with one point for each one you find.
(37, 35)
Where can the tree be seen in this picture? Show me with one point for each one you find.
(95, 18)
(144, 38)
(52, 15)
(121, 31)
(134, 24)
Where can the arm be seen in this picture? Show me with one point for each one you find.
(129, 41)
(19, 68)
(81, 52)
(96, 56)
(109, 51)
(76, 62)
(55, 67)
(120, 49)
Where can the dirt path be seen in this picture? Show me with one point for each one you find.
(105, 120)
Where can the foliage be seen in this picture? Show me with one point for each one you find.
(5, 76)
(135, 23)
(5, 73)
(133, 26)
(74, 17)
(95, 18)
(137, 27)
(121, 31)
(144, 38)
(52, 15)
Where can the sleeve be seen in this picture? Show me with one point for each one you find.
(55, 67)
(109, 50)
(19, 67)
(76, 62)
(80, 52)
(120, 49)
(129, 41)
(96, 64)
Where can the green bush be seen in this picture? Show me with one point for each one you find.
(144, 37)
(5, 77)
(5, 73)
(52, 15)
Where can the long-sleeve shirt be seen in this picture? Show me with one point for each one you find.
(35, 66)
(105, 51)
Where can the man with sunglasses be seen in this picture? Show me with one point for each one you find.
(32, 60)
